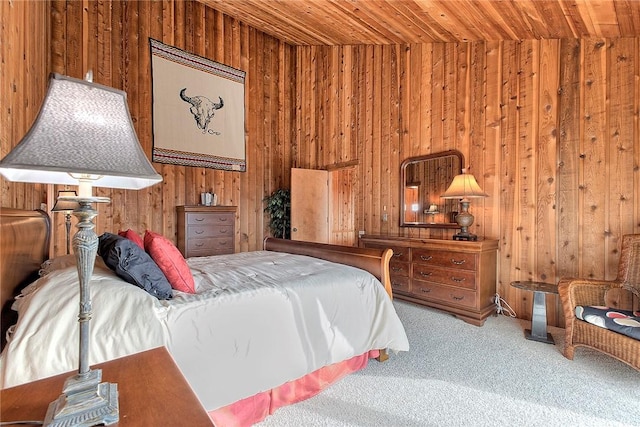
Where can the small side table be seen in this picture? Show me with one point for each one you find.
(538, 331)
(149, 383)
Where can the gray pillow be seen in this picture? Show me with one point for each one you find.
(133, 265)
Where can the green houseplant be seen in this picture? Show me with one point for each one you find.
(278, 206)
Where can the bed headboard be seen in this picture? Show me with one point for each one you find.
(24, 246)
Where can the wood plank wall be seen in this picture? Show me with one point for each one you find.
(111, 38)
(550, 128)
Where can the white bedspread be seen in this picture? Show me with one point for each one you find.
(258, 320)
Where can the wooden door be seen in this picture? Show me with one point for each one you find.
(310, 205)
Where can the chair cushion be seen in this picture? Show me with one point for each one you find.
(625, 322)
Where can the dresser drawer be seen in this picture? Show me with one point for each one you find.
(397, 268)
(400, 253)
(209, 218)
(466, 261)
(452, 296)
(200, 231)
(447, 276)
(400, 283)
(210, 246)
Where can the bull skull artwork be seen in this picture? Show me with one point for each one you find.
(202, 108)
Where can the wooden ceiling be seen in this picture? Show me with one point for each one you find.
(344, 22)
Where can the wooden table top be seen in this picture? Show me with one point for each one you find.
(535, 286)
(151, 391)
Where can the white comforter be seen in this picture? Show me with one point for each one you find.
(258, 320)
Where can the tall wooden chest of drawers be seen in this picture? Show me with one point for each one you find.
(206, 230)
(455, 276)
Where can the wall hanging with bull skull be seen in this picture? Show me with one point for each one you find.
(198, 110)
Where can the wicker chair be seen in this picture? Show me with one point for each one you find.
(622, 293)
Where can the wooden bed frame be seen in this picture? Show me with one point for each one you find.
(24, 246)
(375, 261)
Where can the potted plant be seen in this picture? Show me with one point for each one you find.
(279, 209)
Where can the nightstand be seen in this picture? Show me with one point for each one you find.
(151, 388)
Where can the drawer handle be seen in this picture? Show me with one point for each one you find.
(397, 285)
(458, 262)
(422, 273)
(199, 231)
(397, 268)
(458, 279)
(457, 298)
(199, 219)
(426, 291)
(223, 219)
(199, 245)
(426, 258)
(398, 255)
(224, 243)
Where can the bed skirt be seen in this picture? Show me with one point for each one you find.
(251, 410)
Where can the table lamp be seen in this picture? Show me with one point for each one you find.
(464, 187)
(433, 211)
(66, 207)
(83, 135)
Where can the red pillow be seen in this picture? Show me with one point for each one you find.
(170, 261)
(133, 236)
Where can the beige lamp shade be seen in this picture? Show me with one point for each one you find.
(464, 186)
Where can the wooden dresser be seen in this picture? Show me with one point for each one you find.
(455, 276)
(206, 230)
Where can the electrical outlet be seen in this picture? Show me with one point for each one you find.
(360, 233)
(43, 207)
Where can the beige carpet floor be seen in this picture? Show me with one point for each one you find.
(457, 374)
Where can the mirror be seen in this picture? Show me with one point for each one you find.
(424, 179)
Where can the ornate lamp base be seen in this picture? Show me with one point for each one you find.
(464, 220)
(84, 402)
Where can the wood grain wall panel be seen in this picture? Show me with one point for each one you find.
(621, 66)
(25, 58)
(594, 155)
(568, 156)
(472, 132)
(636, 135)
(545, 197)
(509, 245)
(526, 172)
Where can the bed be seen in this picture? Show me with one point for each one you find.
(318, 313)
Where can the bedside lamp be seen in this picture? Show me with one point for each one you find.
(83, 135)
(464, 187)
(67, 207)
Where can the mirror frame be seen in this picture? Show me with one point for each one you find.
(403, 180)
